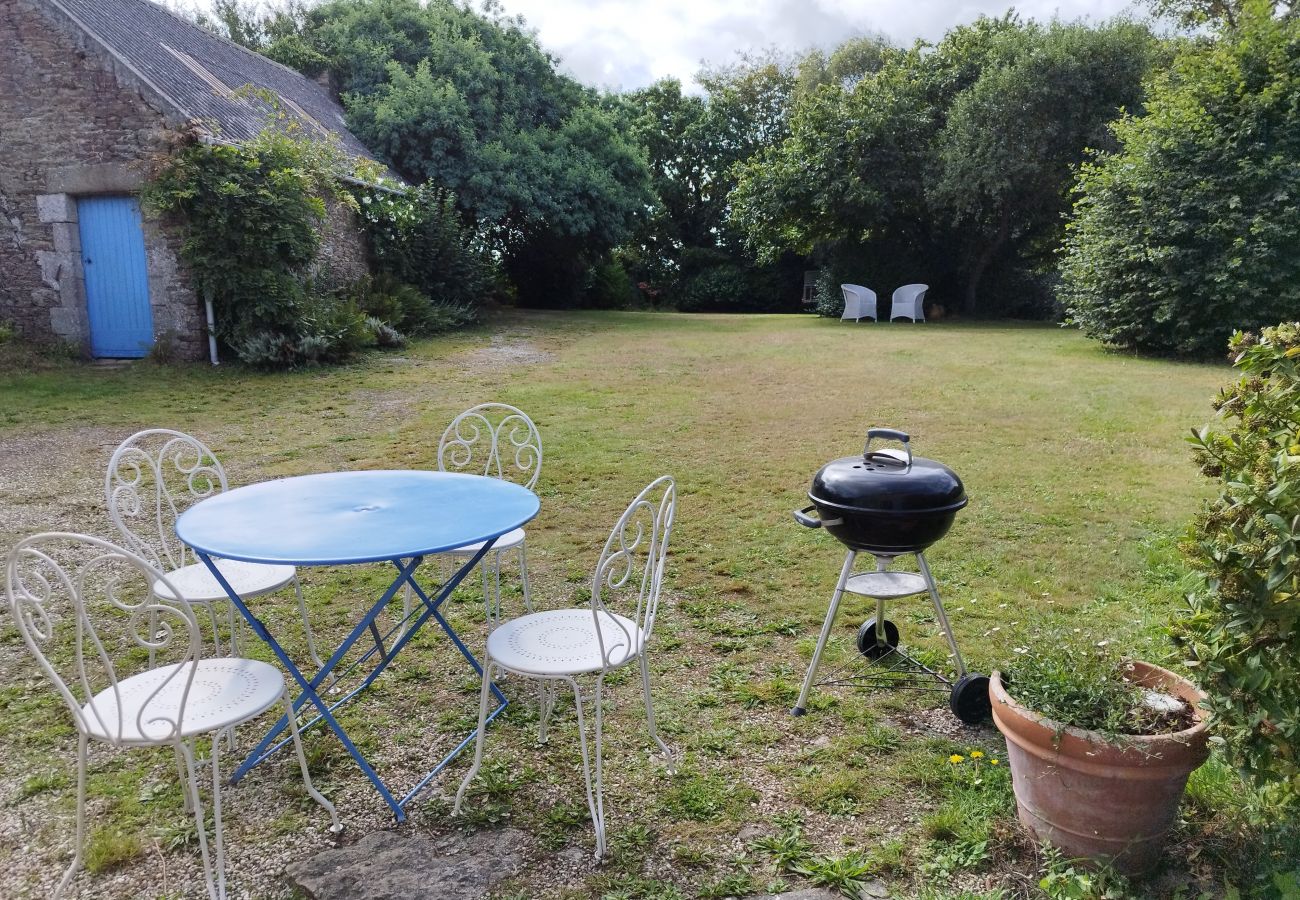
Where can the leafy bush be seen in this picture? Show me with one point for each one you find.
(1242, 626)
(718, 288)
(1189, 231)
(713, 280)
(828, 296)
(609, 286)
(405, 309)
(418, 238)
(250, 219)
(384, 335)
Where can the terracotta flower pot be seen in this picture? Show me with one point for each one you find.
(1111, 800)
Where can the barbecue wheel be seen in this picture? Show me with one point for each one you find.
(869, 644)
(970, 699)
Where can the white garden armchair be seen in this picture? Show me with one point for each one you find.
(559, 646)
(908, 302)
(859, 303)
(154, 476)
(86, 610)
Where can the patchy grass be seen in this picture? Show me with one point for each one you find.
(1079, 485)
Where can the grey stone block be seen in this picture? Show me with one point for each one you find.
(67, 238)
(56, 208)
(96, 178)
(386, 865)
(68, 324)
(53, 266)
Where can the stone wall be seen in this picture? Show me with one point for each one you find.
(72, 123)
(343, 256)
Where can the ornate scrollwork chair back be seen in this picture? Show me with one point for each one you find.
(153, 477)
(499, 441)
(86, 611)
(629, 575)
(493, 439)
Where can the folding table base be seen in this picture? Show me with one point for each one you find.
(400, 635)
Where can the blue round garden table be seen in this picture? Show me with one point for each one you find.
(339, 518)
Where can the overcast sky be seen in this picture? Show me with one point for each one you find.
(626, 44)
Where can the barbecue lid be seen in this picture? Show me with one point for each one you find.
(888, 481)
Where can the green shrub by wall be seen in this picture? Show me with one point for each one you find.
(251, 216)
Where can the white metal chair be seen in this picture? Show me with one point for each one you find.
(500, 441)
(557, 646)
(154, 476)
(859, 303)
(87, 609)
(908, 302)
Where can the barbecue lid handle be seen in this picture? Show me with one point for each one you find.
(888, 434)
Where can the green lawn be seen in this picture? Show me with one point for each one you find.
(1080, 484)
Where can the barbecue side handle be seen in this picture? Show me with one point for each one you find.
(801, 516)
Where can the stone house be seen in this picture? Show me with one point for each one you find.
(90, 93)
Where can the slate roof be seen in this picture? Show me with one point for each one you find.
(196, 72)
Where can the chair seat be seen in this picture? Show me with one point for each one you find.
(197, 585)
(505, 542)
(563, 642)
(223, 692)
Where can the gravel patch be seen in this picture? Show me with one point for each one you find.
(502, 353)
(55, 479)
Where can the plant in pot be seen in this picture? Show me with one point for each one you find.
(1100, 748)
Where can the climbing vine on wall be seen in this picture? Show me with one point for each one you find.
(251, 217)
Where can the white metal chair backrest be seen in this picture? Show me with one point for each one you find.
(493, 439)
(153, 477)
(633, 563)
(87, 613)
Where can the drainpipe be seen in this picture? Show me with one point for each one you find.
(212, 327)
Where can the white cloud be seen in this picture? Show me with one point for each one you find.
(627, 44)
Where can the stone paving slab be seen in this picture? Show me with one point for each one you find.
(386, 865)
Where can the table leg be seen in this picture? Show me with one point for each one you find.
(309, 687)
(502, 703)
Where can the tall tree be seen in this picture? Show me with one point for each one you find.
(1216, 13)
(687, 248)
(949, 159)
(1006, 155)
(1189, 230)
(467, 100)
(673, 130)
(846, 65)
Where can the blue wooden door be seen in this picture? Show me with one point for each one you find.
(117, 282)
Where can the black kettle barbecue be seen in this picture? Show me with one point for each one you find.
(889, 503)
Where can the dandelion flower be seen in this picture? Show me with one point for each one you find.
(956, 758)
(994, 762)
(976, 754)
